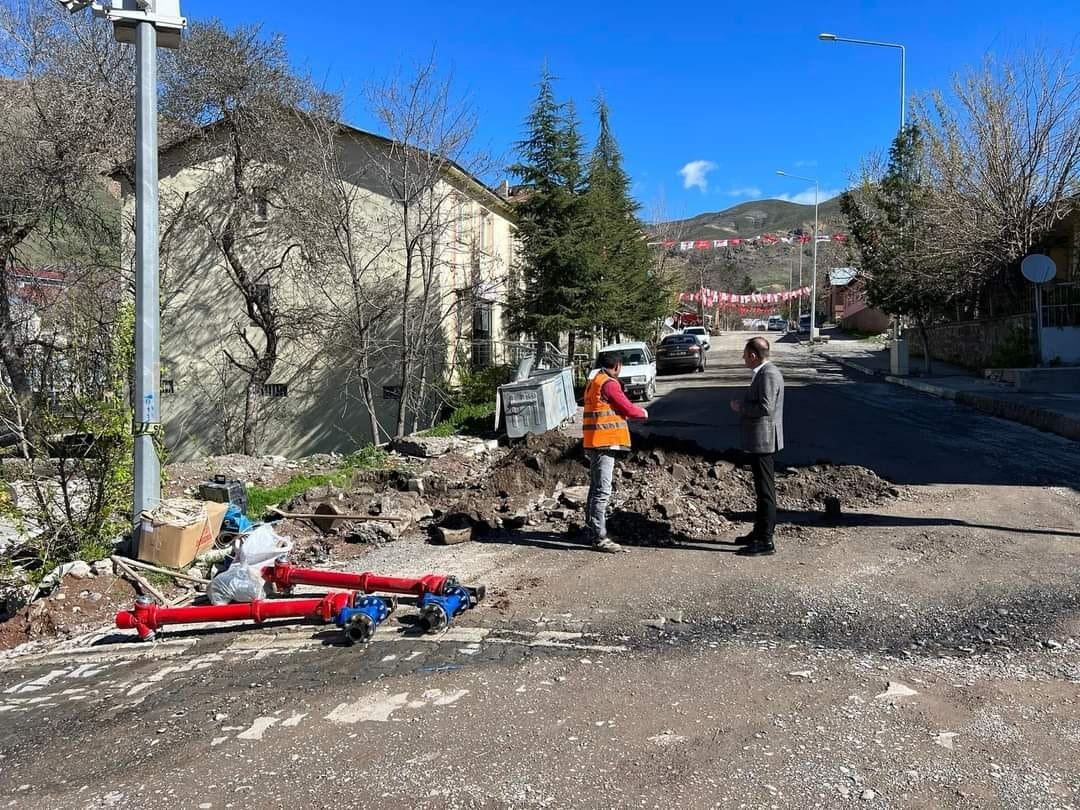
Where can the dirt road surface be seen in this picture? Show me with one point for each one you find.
(925, 654)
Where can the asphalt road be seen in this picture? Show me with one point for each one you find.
(836, 415)
(667, 677)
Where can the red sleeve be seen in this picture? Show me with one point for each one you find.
(613, 393)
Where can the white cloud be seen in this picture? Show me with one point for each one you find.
(807, 197)
(745, 191)
(695, 174)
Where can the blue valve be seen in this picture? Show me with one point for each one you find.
(437, 611)
(359, 621)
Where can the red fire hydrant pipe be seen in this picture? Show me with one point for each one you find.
(146, 617)
(284, 575)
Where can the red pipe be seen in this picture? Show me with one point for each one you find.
(146, 617)
(284, 575)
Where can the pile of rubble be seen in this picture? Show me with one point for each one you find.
(665, 492)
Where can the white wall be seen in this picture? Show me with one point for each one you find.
(1061, 343)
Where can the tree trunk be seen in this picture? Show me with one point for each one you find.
(924, 333)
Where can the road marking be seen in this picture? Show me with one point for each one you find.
(258, 728)
(375, 708)
(294, 721)
(379, 707)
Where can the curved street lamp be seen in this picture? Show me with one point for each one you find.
(827, 37)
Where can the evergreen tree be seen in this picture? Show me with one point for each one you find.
(891, 233)
(624, 298)
(746, 287)
(549, 215)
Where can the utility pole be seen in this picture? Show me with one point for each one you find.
(148, 25)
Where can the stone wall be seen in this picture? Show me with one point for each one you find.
(970, 344)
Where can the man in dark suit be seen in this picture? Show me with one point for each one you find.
(762, 436)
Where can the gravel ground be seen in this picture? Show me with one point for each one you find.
(919, 651)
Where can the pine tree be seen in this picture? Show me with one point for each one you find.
(746, 287)
(624, 297)
(891, 232)
(549, 166)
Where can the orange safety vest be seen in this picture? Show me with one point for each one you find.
(603, 427)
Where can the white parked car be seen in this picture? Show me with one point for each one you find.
(638, 375)
(701, 333)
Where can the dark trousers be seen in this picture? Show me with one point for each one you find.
(761, 464)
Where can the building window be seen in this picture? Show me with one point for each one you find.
(275, 390)
(168, 387)
(482, 354)
(260, 199)
(391, 392)
(487, 232)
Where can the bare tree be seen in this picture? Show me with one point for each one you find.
(342, 226)
(250, 119)
(1003, 150)
(65, 322)
(62, 118)
(425, 169)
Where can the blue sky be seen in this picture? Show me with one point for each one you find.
(708, 100)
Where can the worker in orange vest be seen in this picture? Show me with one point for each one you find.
(606, 436)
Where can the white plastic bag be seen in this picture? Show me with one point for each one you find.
(238, 583)
(261, 546)
(243, 581)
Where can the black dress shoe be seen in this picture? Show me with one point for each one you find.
(757, 550)
(746, 540)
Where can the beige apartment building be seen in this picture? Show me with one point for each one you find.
(313, 400)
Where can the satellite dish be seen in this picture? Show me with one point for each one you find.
(1038, 269)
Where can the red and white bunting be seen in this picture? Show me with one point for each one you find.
(714, 299)
(764, 239)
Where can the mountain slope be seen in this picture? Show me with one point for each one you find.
(753, 219)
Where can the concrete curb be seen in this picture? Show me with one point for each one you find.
(1051, 421)
(851, 364)
(1041, 418)
(927, 388)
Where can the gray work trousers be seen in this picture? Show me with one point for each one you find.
(601, 472)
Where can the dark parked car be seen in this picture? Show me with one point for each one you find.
(680, 353)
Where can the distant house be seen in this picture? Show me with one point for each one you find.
(1002, 331)
(848, 305)
(314, 389)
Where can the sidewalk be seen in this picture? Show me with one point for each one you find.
(1056, 413)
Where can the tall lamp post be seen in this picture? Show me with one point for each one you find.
(148, 24)
(826, 37)
(813, 283)
(899, 350)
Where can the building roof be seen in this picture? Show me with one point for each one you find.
(842, 276)
(473, 183)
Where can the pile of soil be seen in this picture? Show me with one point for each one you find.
(76, 606)
(665, 491)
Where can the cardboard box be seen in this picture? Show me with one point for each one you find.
(177, 546)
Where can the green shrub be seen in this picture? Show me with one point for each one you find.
(1015, 351)
(259, 498)
(467, 420)
(479, 386)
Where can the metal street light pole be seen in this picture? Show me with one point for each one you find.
(826, 37)
(898, 350)
(148, 24)
(813, 283)
(147, 478)
(800, 272)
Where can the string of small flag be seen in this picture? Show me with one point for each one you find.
(764, 239)
(714, 298)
